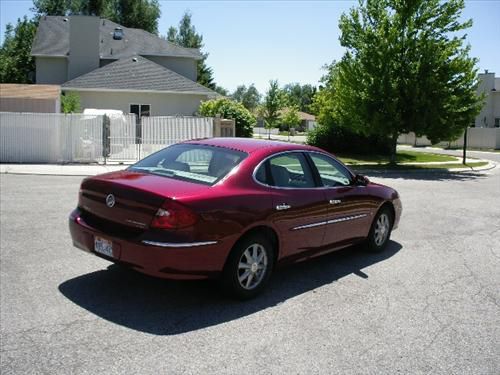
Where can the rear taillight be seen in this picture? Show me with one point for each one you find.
(173, 215)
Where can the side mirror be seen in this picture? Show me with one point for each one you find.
(360, 180)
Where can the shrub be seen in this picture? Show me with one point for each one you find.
(70, 102)
(337, 139)
(227, 108)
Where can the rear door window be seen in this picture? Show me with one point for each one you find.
(289, 170)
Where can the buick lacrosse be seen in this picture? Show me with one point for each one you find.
(230, 208)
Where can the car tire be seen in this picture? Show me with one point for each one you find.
(380, 231)
(249, 267)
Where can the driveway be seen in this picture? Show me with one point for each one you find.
(429, 304)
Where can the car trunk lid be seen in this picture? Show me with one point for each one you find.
(127, 201)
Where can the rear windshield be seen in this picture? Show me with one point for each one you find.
(191, 162)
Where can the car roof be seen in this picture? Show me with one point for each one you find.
(250, 145)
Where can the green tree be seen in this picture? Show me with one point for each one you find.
(70, 103)
(274, 101)
(331, 134)
(227, 108)
(405, 69)
(300, 95)
(221, 90)
(248, 96)
(291, 118)
(186, 36)
(141, 14)
(52, 7)
(16, 63)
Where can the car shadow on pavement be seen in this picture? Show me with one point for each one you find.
(164, 307)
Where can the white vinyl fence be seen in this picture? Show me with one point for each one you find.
(264, 131)
(60, 138)
(486, 138)
(49, 138)
(161, 131)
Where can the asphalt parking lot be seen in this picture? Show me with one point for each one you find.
(429, 304)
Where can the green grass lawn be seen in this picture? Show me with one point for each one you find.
(402, 157)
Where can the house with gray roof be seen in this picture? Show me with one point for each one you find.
(114, 67)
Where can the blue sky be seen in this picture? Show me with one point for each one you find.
(255, 41)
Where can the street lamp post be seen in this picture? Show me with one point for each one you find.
(464, 157)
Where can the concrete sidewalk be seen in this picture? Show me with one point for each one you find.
(60, 169)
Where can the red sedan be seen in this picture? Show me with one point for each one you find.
(230, 208)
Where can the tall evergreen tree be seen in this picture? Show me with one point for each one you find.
(141, 14)
(185, 35)
(16, 63)
(52, 7)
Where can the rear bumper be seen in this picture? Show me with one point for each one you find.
(170, 260)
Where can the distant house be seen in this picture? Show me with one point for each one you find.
(113, 67)
(30, 98)
(307, 121)
(489, 116)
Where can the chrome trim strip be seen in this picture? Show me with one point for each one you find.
(332, 221)
(305, 226)
(178, 244)
(297, 188)
(136, 223)
(347, 218)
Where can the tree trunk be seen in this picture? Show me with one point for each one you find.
(394, 144)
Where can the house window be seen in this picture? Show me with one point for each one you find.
(497, 122)
(140, 110)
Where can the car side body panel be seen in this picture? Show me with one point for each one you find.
(226, 211)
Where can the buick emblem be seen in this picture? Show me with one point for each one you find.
(110, 200)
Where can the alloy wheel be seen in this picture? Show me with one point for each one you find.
(382, 228)
(252, 266)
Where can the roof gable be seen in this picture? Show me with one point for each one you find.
(136, 74)
(52, 39)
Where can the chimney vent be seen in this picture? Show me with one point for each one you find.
(118, 33)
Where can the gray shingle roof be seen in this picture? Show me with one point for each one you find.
(137, 74)
(52, 39)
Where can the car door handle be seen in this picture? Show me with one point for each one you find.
(284, 206)
(335, 201)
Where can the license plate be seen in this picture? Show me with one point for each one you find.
(103, 246)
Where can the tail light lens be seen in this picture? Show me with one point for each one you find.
(173, 215)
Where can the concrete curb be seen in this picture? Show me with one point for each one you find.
(491, 165)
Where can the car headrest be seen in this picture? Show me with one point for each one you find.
(281, 176)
